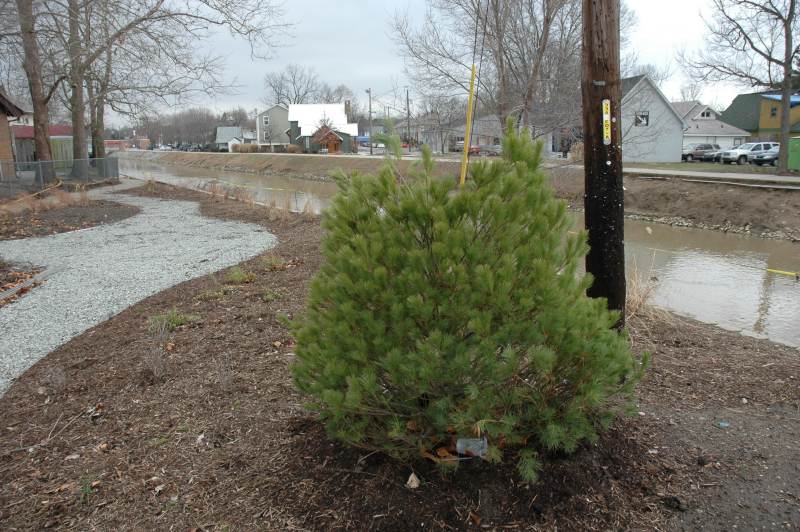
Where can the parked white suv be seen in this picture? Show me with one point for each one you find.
(744, 153)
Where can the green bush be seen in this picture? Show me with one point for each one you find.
(237, 275)
(171, 320)
(443, 313)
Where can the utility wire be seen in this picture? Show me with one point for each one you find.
(480, 67)
(468, 142)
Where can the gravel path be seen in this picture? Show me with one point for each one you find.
(98, 272)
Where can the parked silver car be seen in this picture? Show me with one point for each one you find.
(744, 153)
(768, 157)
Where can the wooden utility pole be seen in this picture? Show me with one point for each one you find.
(603, 198)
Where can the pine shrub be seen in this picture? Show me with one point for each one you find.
(445, 312)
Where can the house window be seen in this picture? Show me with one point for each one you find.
(773, 112)
(641, 118)
(737, 141)
(266, 120)
(706, 114)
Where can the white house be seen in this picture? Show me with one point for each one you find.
(704, 125)
(310, 116)
(652, 130)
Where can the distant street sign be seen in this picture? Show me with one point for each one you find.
(606, 122)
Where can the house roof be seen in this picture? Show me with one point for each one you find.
(687, 109)
(309, 117)
(627, 86)
(55, 130)
(485, 126)
(323, 132)
(794, 100)
(226, 133)
(744, 111)
(690, 111)
(270, 108)
(8, 107)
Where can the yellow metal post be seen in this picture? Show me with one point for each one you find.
(468, 132)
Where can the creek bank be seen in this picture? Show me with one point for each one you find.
(90, 438)
(759, 212)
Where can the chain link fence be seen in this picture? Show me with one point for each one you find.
(20, 177)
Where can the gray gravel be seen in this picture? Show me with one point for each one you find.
(98, 272)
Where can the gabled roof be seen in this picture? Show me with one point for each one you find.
(688, 110)
(277, 105)
(310, 117)
(324, 132)
(55, 130)
(705, 126)
(8, 107)
(226, 133)
(628, 88)
(627, 84)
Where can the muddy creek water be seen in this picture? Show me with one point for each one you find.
(711, 276)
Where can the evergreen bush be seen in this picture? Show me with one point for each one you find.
(444, 313)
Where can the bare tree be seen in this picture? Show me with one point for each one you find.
(753, 43)
(338, 94)
(294, 84)
(691, 92)
(659, 74)
(67, 25)
(438, 114)
(531, 55)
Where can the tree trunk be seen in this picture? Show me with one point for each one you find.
(76, 100)
(33, 71)
(98, 132)
(786, 93)
(533, 80)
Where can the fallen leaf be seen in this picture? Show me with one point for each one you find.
(413, 482)
(170, 346)
(442, 452)
(95, 484)
(72, 457)
(158, 489)
(475, 518)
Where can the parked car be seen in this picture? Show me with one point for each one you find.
(768, 157)
(698, 152)
(714, 156)
(744, 153)
(491, 149)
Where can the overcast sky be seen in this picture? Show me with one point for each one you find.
(349, 42)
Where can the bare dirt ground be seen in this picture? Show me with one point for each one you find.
(759, 211)
(203, 429)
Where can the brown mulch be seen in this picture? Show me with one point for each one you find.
(205, 431)
(62, 218)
